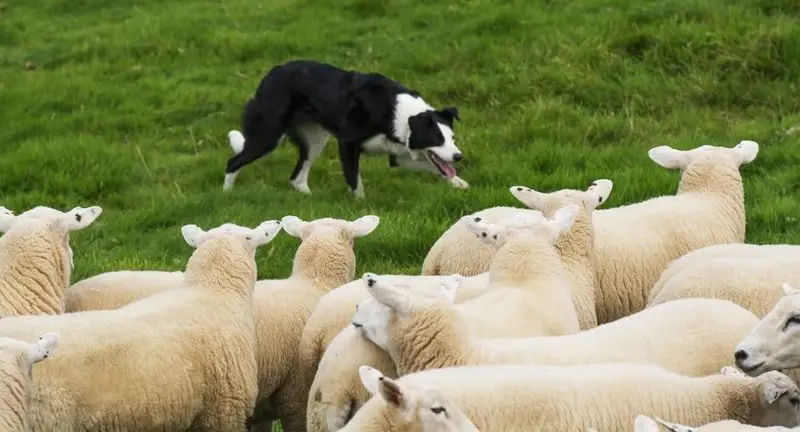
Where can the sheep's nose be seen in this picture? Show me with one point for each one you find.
(456, 157)
(740, 355)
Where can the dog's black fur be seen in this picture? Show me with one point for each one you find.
(350, 105)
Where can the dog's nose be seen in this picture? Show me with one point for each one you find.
(456, 157)
(740, 355)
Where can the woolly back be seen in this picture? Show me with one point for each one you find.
(15, 389)
(326, 258)
(225, 264)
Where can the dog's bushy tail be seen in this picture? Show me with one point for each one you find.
(236, 140)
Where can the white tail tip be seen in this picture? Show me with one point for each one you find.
(236, 140)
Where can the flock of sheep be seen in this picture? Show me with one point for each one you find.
(555, 317)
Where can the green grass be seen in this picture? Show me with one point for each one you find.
(131, 101)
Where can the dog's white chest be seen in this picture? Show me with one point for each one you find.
(381, 144)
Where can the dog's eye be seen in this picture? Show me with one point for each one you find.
(438, 410)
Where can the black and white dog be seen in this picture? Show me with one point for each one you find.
(308, 101)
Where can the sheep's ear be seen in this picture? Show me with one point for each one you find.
(363, 225)
(644, 424)
(599, 191)
(731, 371)
(747, 150)
(674, 427)
(393, 392)
(562, 221)
(294, 226)
(7, 218)
(391, 296)
(771, 392)
(264, 233)
(788, 289)
(193, 235)
(42, 348)
(531, 198)
(79, 218)
(370, 378)
(669, 157)
(450, 287)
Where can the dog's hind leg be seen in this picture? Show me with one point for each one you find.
(258, 143)
(311, 139)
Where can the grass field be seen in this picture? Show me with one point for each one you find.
(126, 104)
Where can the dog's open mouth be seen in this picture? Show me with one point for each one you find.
(445, 168)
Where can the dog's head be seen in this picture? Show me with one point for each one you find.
(431, 134)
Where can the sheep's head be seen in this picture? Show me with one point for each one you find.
(388, 303)
(670, 158)
(25, 354)
(250, 237)
(548, 203)
(412, 408)
(646, 424)
(7, 218)
(774, 343)
(497, 234)
(329, 227)
(73, 220)
(780, 398)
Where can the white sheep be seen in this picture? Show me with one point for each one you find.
(112, 290)
(457, 251)
(576, 246)
(422, 329)
(698, 258)
(604, 397)
(324, 260)
(636, 242)
(646, 424)
(36, 258)
(511, 310)
(16, 378)
(774, 343)
(181, 359)
(707, 209)
(335, 392)
(332, 314)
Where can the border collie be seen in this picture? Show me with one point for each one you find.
(308, 101)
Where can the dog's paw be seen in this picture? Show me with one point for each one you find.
(458, 183)
(301, 187)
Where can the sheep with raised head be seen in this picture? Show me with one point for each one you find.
(604, 397)
(324, 260)
(36, 258)
(181, 359)
(332, 315)
(520, 300)
(17, 359)
(422, 329)
(774, 343)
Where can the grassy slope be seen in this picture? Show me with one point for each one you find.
(131, 102)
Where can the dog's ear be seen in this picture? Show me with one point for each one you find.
(449, 114)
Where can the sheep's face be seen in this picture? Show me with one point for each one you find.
(413, 408)
(377, 316)
(774, 343)
(780, 398)
(670, 158)
(25, 354)
(249, 237)
(548, 203)
(332, 228)
(497, 235)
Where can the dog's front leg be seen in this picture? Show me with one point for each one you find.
(406, 162)
(349, 154)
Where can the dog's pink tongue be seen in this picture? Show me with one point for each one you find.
(449, 170)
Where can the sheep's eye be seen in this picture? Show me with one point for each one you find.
(794, 319)
(248, 238)
(437, 410)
